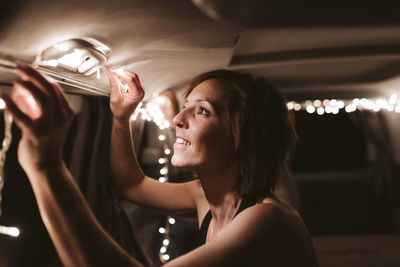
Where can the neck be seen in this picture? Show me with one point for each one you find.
(219, 189)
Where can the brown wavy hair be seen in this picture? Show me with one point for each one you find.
(262, 128)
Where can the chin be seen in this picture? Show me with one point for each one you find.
(180, 161)
(177, 161)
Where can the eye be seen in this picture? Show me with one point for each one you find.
(202, 111)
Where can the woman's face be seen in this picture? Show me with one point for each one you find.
(203, 142)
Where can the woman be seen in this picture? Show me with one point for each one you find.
(233, 133)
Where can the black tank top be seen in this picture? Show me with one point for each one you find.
(246, 202)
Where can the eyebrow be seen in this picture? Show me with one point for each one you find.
(218, 108)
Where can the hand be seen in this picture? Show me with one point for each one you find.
(123, 104)
(42, 113)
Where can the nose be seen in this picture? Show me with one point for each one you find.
(179, 120)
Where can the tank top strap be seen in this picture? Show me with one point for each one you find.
(204, 227)
(246, 203)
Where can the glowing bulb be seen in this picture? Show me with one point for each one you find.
(162, 160)
(164, 171)
(349, 108)
(392, 99)
(320, 111)
(11, 231)
(162, 180)
(310, 109)
(397, 109)
(328, 109)
(165, 257)
(335, 110)
(290, 105)
(161, 137)
(171, 220)
(163, 250)
(356, 101)
(364, 102)
(161, 230)
(2, 104)
(333, 102)
(167, 151)
(317, 103)
(325, 102)
(165, 242)
(340, 104)
(297, 107)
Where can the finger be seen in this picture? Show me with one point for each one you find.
(131, 79)
(114, 84)
(40, 97)
(29, 74)
(20, 118)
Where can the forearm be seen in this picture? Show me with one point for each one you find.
(125, 167)
(78, 237)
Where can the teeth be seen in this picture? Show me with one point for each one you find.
(181, 141)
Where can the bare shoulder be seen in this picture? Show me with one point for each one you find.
(268, 214)
(265, 234)
(279, 230)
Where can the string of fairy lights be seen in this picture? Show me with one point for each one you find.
(333, 106)
(8, 120)
(151, 112)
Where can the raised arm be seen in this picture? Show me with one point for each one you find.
(167, 198)
(43, 115)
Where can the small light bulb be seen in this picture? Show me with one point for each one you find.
(161, 137)
(356, 101)
(297, 107)
(165, 242)
(392, 99)
(161, 230)
(317, 103)
(163, 250)
(11, 231)
(164, 171)
(310, 109)
(162, 179)
(2, 104)
(328, 109)
(165, 257)
(308, 103)
(171, 220)
(167, 151)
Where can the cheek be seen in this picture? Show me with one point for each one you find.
(215, 144)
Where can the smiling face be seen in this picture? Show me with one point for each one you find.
(203, 141)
